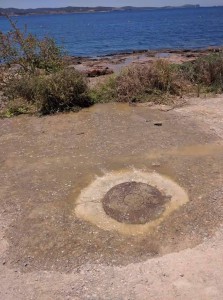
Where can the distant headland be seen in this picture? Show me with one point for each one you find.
(71, 9)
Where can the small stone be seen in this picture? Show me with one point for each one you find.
(158, 124)
(155, 165)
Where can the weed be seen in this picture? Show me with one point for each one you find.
(206, 72)
(104, 92)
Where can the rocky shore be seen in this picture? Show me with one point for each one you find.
(105, 65)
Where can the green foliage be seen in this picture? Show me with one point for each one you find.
(206, 71)
(160, 77)
(17, 107)
(23, 87)
(61, 91)
(104, 92)
(41, 84)
(161, 81)
(26, 50)
(142, 83)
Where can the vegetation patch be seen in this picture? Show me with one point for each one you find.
(157, 82)
(35, 79)
(61, 91)
(206, 72)
(162, 81)
(28, 52)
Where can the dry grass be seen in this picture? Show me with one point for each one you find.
(138, 83)
(141, 81)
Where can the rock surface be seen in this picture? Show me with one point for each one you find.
(46, 252)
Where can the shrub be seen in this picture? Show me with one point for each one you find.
(40, 83)
(17, 107)
(31, 53)
(104, 92)
(61, 91)
(143, 83)
(22, 87)
(206, 71)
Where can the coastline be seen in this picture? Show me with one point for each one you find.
(151, 52)
(113, 63)
(98, 9)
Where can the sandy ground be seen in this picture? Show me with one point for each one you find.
(47, 252)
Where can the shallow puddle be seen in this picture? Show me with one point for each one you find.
(89, 204)
(193, 150)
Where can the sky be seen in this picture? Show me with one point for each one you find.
(116, 3)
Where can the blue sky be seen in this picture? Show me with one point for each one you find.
(60, 3)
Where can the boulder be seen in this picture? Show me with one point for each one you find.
(98, 71)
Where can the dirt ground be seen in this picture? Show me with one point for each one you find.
(48, 252)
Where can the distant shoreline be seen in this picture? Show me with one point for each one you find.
(206, 49)
(71, 10)
(150, 52)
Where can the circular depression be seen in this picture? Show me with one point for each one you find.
(134, 202)
(130, 202)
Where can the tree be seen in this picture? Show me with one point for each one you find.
(29, 52)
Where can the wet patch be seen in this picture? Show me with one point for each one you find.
(130, 202)
(134, 202)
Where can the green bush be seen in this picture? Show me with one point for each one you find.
(41, 83)
(30, 53)
(17, 107)
(206, 71)
(159, 78)
(23, 87)
(104, 92)
(62, 91)
(143, 83)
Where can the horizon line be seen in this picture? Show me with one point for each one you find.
(107, 6)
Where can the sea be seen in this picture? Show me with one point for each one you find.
(99, 34)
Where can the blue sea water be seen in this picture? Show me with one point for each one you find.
(98, 34)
